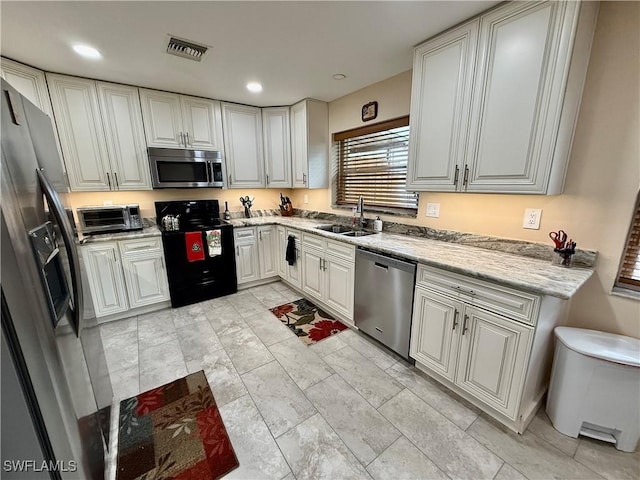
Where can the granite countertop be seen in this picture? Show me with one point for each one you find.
(530, 274)
(521, 272)
(147, 231)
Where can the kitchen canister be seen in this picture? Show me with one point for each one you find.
(377, 224)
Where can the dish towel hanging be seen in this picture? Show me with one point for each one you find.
(214, 242)
(195, 250)
(290, 255)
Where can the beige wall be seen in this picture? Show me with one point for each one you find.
(602, 180)
(263, 198)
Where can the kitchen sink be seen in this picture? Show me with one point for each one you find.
(357, 233)
(335, 228)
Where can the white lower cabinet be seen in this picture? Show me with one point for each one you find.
(146, 278)
(328, 269)
(126, 275)
(106, 279)
(486, 357)
(255, 256)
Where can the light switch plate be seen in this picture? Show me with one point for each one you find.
(532, 218)
(107, 202)
(305, 199)
(433, 210)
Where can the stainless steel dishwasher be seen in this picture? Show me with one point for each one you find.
(384, 299)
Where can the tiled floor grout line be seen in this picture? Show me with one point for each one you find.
(408, 439)
(266, 424)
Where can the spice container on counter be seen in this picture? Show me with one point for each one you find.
(377, 224)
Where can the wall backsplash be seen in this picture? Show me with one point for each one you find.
(264, 198)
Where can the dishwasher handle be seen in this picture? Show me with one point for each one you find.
(384, 261)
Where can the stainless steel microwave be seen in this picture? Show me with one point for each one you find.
(109, 218)
(175, 168)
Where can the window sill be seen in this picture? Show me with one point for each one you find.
(379, 210)
(626, 293)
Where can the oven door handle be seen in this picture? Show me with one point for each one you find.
(55, 206)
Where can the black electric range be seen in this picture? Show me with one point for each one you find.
(210, 276)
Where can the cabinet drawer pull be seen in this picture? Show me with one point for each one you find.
(455, 319)
(464, 290)
(464, 324)
(455, 179)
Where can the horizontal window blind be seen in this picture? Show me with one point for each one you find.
(372, 162)
(629, 276)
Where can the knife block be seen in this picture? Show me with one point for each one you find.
(288, 211)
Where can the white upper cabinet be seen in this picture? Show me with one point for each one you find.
(242, 127)
(162, 119)
(101, 134)
(513, 135)
(310, 144)
(122, 122)
(277, 146)
(202, 123)
(179, 121)
(77, 114)
(30, 82)
(440, 105)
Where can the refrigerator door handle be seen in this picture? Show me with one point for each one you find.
(55, 205)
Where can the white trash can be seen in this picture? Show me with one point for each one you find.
(595, 386)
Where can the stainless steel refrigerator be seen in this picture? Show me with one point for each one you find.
(56, 393)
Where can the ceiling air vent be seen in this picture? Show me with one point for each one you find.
(186, 49)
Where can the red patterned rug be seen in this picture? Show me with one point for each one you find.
(174, 432)
(308, 322)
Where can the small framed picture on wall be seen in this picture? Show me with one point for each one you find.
(369, 111)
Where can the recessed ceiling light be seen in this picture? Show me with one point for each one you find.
(254, 87)
(87, 51)
(339, 76)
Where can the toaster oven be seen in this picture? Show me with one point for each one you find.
(109, 218)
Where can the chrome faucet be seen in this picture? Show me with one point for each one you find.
(363, 221)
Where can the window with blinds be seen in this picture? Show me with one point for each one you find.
(629, 276)
(372, 162)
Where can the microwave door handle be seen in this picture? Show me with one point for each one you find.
(55, 206)
(209, 173)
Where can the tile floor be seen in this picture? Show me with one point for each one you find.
(342, 408)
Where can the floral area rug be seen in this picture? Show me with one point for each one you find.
(174, 432)
(308, 322)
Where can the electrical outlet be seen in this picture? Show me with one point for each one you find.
(107, 202)
(532, 218)
(433, 210)
(305, 199)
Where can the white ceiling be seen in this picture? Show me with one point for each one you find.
(292, 48)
